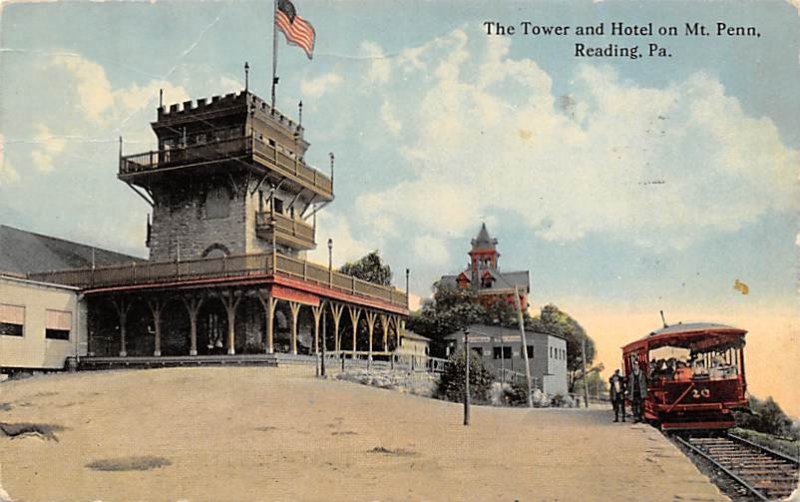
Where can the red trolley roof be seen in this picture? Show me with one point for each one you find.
(696, 336)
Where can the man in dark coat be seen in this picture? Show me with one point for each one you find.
(637, 388)
(616, 389)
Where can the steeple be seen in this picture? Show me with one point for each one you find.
(483, 241)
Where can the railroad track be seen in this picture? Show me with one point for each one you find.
(767, 474)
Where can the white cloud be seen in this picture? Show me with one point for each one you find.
(317, 87)
(100, 102)
(432, 250)
(8, 174)
(390, 118)
(47, 147)
(656, 166)
(380, 66)
(345, 246)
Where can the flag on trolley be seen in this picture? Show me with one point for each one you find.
(297, 30)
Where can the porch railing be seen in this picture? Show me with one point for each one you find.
(230, 266)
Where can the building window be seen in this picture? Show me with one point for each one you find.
(278, 204)
(552, 356)
(505, 353)
(58, 325)
(12, 320)
(530, 351)
(218, 203)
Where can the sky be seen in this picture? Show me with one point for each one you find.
(625, 186)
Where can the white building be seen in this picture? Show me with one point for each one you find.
(41, 324)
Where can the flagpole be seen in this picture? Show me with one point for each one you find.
(274, 50)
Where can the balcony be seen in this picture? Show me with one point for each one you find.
(290, 232)
(254, 266)
(253, 153)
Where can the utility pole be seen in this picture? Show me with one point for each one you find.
(585, 384)
(524, 344)
(324, 342)
(466, 376)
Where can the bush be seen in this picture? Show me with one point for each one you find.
(451, 383)
(766, 416)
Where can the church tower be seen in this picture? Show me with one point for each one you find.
(228, 178)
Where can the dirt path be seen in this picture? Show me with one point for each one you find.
(275, 434)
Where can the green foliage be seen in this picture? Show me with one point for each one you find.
(369, 268)
(766, 416)
(789, 446)
(452, 309)
(553, 321)
(451, 383)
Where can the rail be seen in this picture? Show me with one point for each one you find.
(229, 266)
(242, 147)
(766, 474)
(284, 224)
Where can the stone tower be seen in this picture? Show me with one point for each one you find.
(228, 178)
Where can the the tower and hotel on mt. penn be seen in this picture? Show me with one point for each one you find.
(234, 209)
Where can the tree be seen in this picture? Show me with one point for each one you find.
(766, 416)
(451, 383)
(553, 321)
(369, 268)
(451, 309)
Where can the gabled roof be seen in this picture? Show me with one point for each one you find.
(505, 280)
(24, 252)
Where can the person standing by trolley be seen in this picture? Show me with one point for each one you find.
(637, 387)
(616, 389)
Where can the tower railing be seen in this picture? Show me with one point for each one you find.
(234, 148)
(235, 266)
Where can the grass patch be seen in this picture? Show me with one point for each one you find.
(266, 428)
(46, 431)
(5, 406)
(143, 463)
(344, 433)
(787, 446)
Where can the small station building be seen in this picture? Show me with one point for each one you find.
(501, 350)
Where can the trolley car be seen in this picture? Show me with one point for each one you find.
(695, 375)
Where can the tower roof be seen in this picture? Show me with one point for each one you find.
(483, 240)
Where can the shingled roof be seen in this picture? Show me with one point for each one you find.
(483, 240)
(24, 252)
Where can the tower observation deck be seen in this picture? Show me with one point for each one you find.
(227, 173)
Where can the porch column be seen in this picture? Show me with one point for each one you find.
(371, 317)
(295, 308)
(155, 308)
(336, 313)
(317, 311)
(122, 307)
(270, 304)
(355, 314)
(385, 327)
(193, 304)
(231, 301)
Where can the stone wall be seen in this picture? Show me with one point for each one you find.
(181, 219)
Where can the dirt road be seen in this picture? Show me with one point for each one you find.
(280, 434)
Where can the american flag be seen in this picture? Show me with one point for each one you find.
(298, 31)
